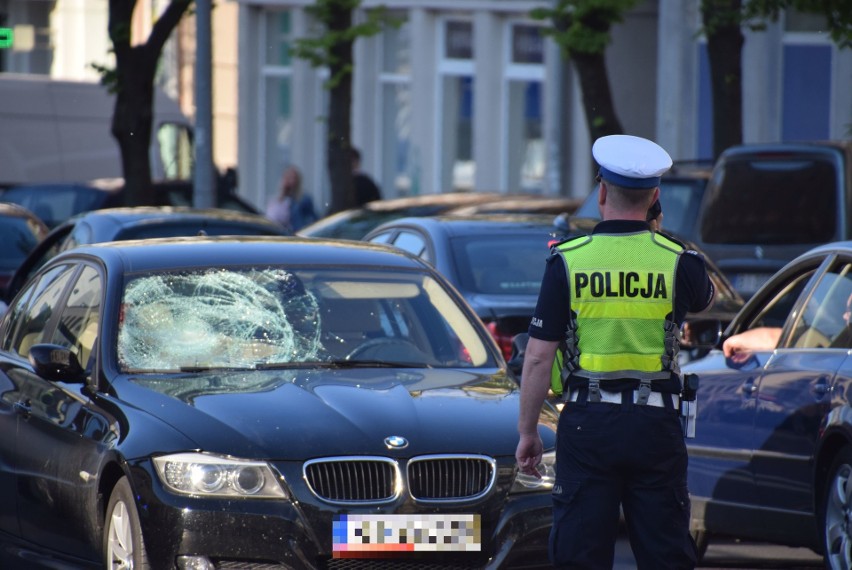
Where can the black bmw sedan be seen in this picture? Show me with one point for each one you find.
(258, 402)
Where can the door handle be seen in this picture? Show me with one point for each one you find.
(749, 387)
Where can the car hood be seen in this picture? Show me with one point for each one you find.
(301, 414)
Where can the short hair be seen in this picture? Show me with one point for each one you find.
(628, 197)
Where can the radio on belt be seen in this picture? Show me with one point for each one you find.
(689, 404)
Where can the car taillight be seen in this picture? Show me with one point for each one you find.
(504, 340)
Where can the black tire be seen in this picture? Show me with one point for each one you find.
(836, 503)
(123, 546)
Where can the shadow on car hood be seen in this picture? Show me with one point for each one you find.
(294, 414)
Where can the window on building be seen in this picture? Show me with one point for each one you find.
(457, 167)
(395, 112)
(276, 99)
(525, 74)
(806, 94)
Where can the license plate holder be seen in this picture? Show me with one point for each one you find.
(386, 535)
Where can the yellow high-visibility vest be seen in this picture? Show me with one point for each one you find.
(622, 290)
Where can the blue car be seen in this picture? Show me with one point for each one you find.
(772, 456)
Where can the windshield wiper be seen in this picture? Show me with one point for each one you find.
(289, 365)
(376, 364)
(200, 368)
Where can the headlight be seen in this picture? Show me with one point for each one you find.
(204, 475)
(530, 483)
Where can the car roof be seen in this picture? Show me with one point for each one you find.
(219, 251)
(448, 199)
(129, 215)
(474, 224)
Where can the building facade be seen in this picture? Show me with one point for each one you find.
(64, 38)
(470, 95)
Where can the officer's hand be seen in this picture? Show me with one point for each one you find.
(528, 454)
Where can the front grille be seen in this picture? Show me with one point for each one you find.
(448, 477)
(376, 479)
(353, 479)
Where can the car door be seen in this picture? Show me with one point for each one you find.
(23, 325)
(61, 434)
(794, 394)
(721, 456)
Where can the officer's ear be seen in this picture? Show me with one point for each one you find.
(601, 194)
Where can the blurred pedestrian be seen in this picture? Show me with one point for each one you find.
(291, 208)
(366, 190)
(616, 298)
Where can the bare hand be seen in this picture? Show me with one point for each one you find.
(528, 455)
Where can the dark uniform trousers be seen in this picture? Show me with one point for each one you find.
(611, 454)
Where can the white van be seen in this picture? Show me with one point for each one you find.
(60, 131)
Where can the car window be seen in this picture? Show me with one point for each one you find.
(824, 319)
(78, 324)
(507, 264)
(250, 318)
(770, 200)
(779, 305)
(383, 237)
(412, 243)
(33, 312)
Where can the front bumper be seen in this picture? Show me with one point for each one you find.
(297, 534)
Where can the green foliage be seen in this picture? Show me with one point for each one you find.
(754, 15)
(109, 76)
(321, 49)
(582, 26)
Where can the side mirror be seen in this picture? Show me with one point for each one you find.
(701, 333)
(56, 363)
(516, 361)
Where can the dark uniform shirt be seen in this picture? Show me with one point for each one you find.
(693, 289)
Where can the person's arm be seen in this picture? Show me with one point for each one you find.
(535, 382)
(760, 338)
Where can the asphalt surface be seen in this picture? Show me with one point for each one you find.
(731, 553)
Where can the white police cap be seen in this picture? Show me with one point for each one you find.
(631, 162)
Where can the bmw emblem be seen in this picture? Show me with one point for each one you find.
(396, 442)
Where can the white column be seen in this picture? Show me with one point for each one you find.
(677, 78)
(762, 87)
(424, 125)
(487, 96)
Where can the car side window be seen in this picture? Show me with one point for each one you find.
(412, 243)
(36, 308)
(824, 320)
(383, 237)
(78, 325)
(776, 311)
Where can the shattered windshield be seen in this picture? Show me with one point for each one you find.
(274, 317)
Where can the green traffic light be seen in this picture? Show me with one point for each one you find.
(6, 38)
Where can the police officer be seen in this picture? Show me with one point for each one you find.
(616, 297)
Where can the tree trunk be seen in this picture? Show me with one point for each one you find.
(135, 67)
(724, 50)
(340, 117)
(132, 125)
(597, 95)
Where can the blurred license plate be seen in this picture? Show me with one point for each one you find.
(749, 283)
(374, 536)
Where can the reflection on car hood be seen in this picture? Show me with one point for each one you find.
(296, 414)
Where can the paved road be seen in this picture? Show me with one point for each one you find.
(736, 554)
